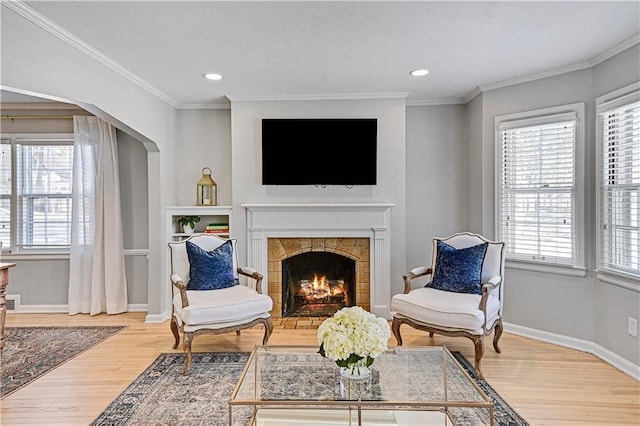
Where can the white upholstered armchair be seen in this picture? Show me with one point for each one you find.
(464, 296)
(207, 294)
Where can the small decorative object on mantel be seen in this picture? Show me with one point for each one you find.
(207, 190)
(353, 338)
(188, 223)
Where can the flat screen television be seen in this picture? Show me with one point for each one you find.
(319, 151)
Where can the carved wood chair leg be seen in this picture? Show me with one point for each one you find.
(187, 348)
(176, 332)
(478, 342)
(496, 336)
(395, 328)
(268, 329)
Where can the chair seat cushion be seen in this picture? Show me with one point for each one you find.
(446, 309)
(225, 305)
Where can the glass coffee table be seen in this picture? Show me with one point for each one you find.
(294, 385)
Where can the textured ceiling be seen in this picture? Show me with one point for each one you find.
(338, 48)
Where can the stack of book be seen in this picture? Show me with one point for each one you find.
(217, 228)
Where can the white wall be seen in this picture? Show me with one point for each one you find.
(613, 305)
(35, 61)
(575, 307)
(204, 140)
(474, 188)
(246, 168)
(436, 178)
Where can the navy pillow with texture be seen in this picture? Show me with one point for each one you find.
(458, 270)
(210, 270)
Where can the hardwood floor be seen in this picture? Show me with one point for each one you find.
(546, 384)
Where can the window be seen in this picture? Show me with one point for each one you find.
(619, 197)
(539, 186)
(35, 192)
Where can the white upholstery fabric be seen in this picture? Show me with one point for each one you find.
(445, 308)
(237, 303)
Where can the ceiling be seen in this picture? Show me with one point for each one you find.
(298, 49)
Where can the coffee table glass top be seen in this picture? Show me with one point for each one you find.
(421, 378)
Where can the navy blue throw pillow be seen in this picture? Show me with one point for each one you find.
(210, 270)
(458, 270)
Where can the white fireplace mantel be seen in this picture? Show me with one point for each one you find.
(363, 220)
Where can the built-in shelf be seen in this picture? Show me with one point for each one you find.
(208, 215)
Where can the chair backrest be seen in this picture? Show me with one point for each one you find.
(208, 242)
(493, 264)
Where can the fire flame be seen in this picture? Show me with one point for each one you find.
(320, 288)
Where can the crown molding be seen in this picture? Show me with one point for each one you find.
(203, 106)
(436, 102)
(39, 106)
(472, 94)
(52, 28)
(589, 63)
(535, 76)
(615, 49)
(322, 97)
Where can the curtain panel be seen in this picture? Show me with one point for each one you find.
(97, 278)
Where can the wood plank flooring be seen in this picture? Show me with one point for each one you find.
(546, 384)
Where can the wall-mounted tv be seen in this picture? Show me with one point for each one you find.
(319, 151)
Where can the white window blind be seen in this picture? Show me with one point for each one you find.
(43, 195)
(5, 192)
(537, 189)
(620, 190)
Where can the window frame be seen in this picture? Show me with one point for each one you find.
(605, 103)
(538, 117)
(14, 251)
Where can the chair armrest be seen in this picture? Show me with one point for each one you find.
(178, 282)
(492, 283)
(252, 273)
(414, 273)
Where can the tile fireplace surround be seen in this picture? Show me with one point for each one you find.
(322, 223)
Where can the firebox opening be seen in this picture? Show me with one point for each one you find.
(317, 284)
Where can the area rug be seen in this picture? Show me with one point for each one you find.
(161, 395)
(30, 352)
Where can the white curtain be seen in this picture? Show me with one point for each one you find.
(97, 279)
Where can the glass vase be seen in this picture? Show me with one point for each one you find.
(356, 371)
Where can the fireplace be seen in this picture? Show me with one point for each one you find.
(316, 284)
(359, 231)
(294, 264)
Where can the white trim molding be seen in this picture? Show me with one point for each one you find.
(19, 308)
(54, 29)
(371, 221)
(601, 352)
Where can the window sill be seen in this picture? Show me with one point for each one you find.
(61, 255)
(572, 271)
(619, 280)
(35, 256)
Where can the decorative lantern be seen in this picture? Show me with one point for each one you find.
(207, 189)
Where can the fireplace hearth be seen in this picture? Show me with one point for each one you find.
(316, 284)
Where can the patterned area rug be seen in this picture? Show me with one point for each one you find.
(161, 395)
(30, 352)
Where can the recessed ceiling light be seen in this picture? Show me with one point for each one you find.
(419, 73)
(212, 76)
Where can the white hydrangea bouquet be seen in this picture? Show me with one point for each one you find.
(353, 338)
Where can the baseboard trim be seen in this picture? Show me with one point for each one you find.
(157, 318)
(601, 352)
(57, 309)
